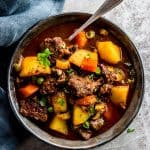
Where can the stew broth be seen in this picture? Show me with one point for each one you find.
(63, 31)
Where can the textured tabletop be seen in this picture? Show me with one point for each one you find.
(133, 16)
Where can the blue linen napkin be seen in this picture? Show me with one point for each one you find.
(16, 16)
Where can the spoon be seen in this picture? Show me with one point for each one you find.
(104, 8)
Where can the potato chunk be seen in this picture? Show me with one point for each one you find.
(59, 102)
(30, 66)
(62, 64)
(119, 95)
(59, 125)
(109, 52)
(79, 56)
(79, 115)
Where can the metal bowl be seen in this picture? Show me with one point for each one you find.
(134, 105)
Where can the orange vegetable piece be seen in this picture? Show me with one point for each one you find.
(89, 64)
(81, 39)
(88, 100)
(111, 114)
(109, 52)
(28, 90)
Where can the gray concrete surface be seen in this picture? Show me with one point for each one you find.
(133, 16)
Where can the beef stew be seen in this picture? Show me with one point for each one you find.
(74, 90)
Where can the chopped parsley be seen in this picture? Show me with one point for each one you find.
(86, 125)
(42, 101)
(91, 76)
(61, 101)
(65, 90)
(98, 71)
(70, 71)
(43, 57)
(87, 56)
(92, 110)
(130, 130)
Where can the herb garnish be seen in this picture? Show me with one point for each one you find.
(98, 71)
(70, 71)
(92, 110)
(86, 125)
(61, 101)
(43, 57)
(65, 90)
(42, 101)
(91, 76)
(87, 56)
(130, 130)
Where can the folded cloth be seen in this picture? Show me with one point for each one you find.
(16, 17)
(7, 137)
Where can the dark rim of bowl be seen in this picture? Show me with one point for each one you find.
(11, 98)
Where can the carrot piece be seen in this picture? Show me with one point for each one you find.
(89, 65)
(81, 39)
(88, 100)
(111, 114)
(28, 90)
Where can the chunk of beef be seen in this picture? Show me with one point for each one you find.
(61, 76)
(57, 47)
(47, 43)
(48, 86)
(31, 108)
(85, 134)
(106, 89)
(97, 124)
(83, 86)
(110, 76)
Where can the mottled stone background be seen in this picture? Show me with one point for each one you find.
(133, 16)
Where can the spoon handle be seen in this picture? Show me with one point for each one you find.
(104, 8)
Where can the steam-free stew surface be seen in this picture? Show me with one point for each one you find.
(74, 90)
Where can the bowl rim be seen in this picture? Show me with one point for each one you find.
(16, 111)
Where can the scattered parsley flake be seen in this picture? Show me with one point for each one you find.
(43, 57)
(91, 76)
(61, 101)
(86, 125)
(43, 101)
(65, 90)
(87, 56)
(70, 71)
(98, 71)
(92, 110)
(130, 130)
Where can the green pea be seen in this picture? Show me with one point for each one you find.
(90, 34)
(50, 109)
(40, 80)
